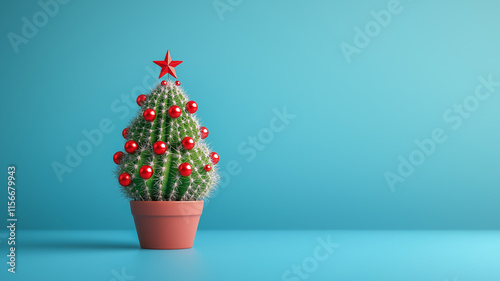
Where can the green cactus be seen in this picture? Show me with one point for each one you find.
(170, 179)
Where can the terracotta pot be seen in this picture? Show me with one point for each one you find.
(166, 224)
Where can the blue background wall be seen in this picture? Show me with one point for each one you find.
(324, 169)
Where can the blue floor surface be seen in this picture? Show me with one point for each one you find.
(259, 255)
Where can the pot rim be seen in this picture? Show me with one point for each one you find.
(166, 208)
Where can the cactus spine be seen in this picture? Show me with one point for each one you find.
(147, 135)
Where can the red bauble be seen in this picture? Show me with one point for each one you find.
(191, 106)
(145, 172)
(174, 111)
(185, 169)
(131, 146)
(177, 83)
(214, 157)
(118, 157)
(124, 179)
(160, 147)
(164, 83)
(125, 133)
(149, 115)
(203, 132)
(207, 168)
(141, 99)
(188, 143)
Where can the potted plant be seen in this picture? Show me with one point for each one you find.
(167, 167)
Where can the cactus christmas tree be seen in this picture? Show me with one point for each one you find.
(166, 156)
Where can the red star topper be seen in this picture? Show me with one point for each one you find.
(167, 65)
